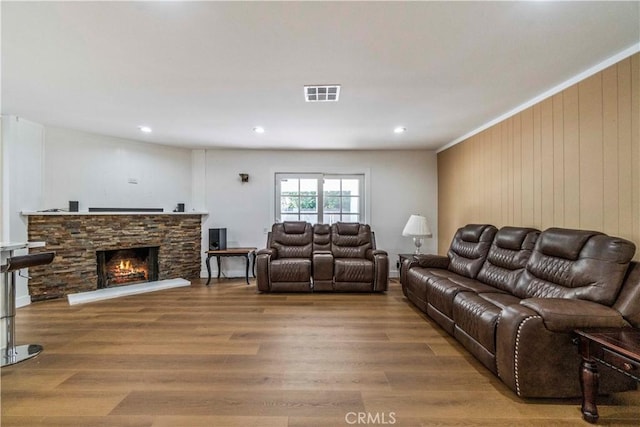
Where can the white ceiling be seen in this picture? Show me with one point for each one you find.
(204, 74)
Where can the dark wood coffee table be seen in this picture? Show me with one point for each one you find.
(617, 348)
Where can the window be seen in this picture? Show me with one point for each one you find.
(319, 198)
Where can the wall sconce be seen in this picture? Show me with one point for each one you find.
(244, 177)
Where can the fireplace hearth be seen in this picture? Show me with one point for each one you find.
(126, 266)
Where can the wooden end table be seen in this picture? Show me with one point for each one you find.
(617, 348)
(231, 252)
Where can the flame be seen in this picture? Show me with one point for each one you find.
(124, 265)
(123, 270)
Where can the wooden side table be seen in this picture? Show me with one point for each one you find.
(617, 348)
(231, 252)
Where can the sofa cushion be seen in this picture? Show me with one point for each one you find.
(513, 238)
(353, 270)
(321, 237)
(592, 267)
(499, 299)
(507, 257)
(290, 270)
(350, 240)
(477, 317)
(456, 279)
(292, 239)
(442, 290)
(348, 228)
(469, 248)
(295, 227)
(415, 286)
(564, 243)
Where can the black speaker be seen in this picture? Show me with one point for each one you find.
(180, 207)
(217, 239)
(73, 206)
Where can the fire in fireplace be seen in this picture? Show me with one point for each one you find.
(126, 266)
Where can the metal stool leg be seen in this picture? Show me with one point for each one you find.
(11, 353)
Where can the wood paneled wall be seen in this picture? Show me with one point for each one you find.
(572, 160)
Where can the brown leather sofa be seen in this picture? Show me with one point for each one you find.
(514, 297)
(341, 258)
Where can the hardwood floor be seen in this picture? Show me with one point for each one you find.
(226, 356)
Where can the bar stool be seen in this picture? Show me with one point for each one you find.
(11, 353)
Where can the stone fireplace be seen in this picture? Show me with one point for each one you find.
(80, 240)
(119, 267)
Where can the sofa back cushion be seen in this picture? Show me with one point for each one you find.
(576, 264)
(350, 240)
(321, 237)
(508, 255)
(292, 239)
(469, 249)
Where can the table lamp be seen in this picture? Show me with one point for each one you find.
(418, 228)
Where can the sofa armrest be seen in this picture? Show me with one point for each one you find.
(428, 261)
(431, 261)
(262, 261)
(372, 253)
(272, 252)
(535, 361)
(381, 270)
(565, 315)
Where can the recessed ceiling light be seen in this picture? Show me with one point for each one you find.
(400, 129)
(258, 129)
(145, 129)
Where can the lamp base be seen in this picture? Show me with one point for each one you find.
(418, 242)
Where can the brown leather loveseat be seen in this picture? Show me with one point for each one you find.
(341, 257)
(513, 298)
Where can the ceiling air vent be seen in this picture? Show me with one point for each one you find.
(323, 93)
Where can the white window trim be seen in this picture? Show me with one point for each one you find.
(366, 219)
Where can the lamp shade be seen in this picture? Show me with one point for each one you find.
(416, 226)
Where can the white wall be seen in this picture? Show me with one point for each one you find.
(198, 180)
(400, 183)
(44, 168)
(22, 160)
(50, 166)
(2, 192)
(95, 170)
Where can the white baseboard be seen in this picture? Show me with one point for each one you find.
(120, 291)
(23, 301)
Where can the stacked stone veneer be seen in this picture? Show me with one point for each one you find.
(76, 238)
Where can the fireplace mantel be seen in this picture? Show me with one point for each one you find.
(58, 213)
